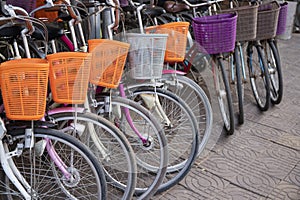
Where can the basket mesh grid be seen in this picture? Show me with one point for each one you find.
(177, 39)
(282, 18)
(246, 20)
(108, 60)
(69, 76)
(267, 19)
(215, 34)
(146, 55)
(24, 88)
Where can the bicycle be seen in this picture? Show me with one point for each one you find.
(214, 45)
(273, 57)
(155, 99)
(40, 162)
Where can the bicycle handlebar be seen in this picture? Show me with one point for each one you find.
(201, 4)
(13, 10)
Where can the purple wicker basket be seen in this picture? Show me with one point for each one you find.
(215, 34)
(28, 5)
(282, 18)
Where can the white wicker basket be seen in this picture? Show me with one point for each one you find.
(146, 55)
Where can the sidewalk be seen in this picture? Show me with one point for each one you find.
(262, 159)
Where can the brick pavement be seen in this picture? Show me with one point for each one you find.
(262, 159)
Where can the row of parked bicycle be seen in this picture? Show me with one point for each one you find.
(114, 100)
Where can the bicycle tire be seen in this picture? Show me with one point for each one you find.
(118, 158)
(177, 170)
(47, 180)
(258, 74)
(223, 89)
(239, 84)
(274, 66)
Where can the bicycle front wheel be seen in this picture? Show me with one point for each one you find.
(146, 138)
(259, 76)
(180, 127)
(110, 147)
(274, 67)
(239, 82)
(224, 94)
(80, 175)
(195, 97)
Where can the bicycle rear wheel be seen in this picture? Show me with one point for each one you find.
(46, 179)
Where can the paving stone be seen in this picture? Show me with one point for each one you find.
(283, 153)
(282, 120)
(258, 182)
(221, 166)
(286, 191)
(204, 183)
(294, 176)
(249, 140)
(276, 161)
(236, 193)
(290, 138)
(239, 154)
(181, 193)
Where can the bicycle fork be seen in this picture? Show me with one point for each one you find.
(242, 64)
(9, 167)
(11, 170)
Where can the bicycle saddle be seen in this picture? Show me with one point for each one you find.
(11, 31)
(54, 31)
(153, 11)
(197, 1)
(175, 7)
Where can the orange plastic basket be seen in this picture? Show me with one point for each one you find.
(177, 39)
(24, 88)
(108, 60)
(69, 76)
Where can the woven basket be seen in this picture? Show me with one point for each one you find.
(177, 39)
(28, 5)
(267, 20)
(215, 34)
(282, 18)
(108, 60)
(246, 21)
(24, 88)
(69, 76)
(146, 55)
